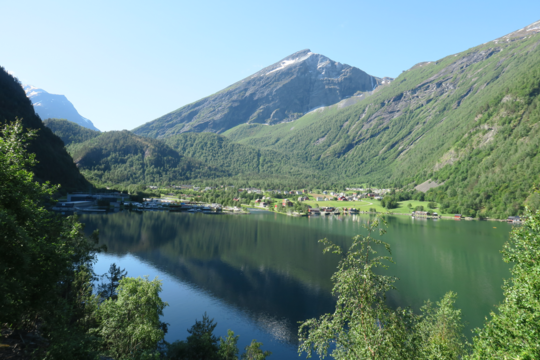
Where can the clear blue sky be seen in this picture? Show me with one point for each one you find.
(124, 63)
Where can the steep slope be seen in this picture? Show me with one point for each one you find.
(278, 93)
(69, 131)
(219, 152)
(120, 157)
(55, 106)
(470, 119)
(55, 164)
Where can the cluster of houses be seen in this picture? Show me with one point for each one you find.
(347, 197)
(264, 202)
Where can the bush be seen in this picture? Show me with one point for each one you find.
(432, 205)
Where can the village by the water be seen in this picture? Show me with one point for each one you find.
(232, 200)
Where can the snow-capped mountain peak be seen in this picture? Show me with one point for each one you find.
(55, 106)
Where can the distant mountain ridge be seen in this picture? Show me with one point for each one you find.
(279, 93)
(52, 106)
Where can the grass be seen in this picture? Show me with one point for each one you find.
(365, 205)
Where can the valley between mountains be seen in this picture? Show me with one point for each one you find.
(467, 122)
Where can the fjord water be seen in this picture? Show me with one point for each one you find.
(260, 274)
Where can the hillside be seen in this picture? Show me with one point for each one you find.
(120, 157)
(220, 152)
(55, 164)
(55, 106)
(279, 93)
(70, 132)
(469, 119)
(106, 158)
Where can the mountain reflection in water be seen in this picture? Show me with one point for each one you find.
(261, 274)
(254, 266)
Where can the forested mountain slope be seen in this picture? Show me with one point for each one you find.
(124, 158)
(121, 157)
(278, 93)
(470, 119)
(55, 164)
(70, 132)
(220, 152)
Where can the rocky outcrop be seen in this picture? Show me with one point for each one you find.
(278, 93)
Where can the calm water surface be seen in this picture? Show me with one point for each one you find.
(260, 274)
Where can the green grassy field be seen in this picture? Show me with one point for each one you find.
(366, 204)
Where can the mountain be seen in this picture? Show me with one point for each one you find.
(54, 163)
(121, 157)
(55, 106)
(69, 131)
(279, 93)
(220, 152)
(469, 121)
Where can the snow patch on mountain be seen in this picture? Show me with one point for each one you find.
(283, 64)
(55, 106)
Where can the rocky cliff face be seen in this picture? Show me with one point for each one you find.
(278, 93)
(52, 106)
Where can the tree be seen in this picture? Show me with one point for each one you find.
(107, 290)
(130, 326)
(440, 330)
(364, 327)
(202, 343)
(228, 349)
(389, 202)
(46, 261)
(513, 331)
(253, 351)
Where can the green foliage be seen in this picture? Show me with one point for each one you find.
(46, 261)
(53, 162)
(254, 352)
(363, 326)
(219, 152)
(432, 205)
(389, 202)
(130, 326)
(70, 132)
(228, 349)
(120, 157)
(440, 330)
(513, 330)
(108, 289)
(202, 344)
